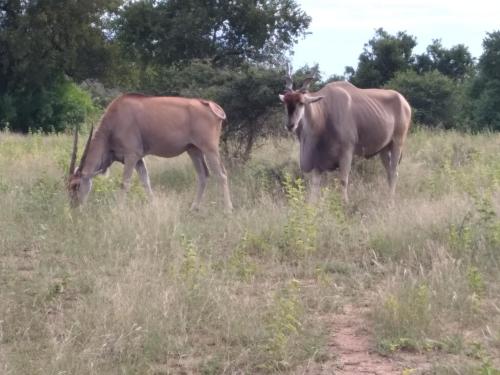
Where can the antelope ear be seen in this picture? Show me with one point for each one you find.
(282, 97)
(312, 99)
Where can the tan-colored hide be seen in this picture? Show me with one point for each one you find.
(134, 126)
(340, 121)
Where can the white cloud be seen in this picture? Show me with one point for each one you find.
(340, 28)
(401, 15)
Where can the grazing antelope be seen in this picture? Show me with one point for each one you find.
(134, 126)
(340, 121)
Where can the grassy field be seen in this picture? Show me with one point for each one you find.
(137, 287)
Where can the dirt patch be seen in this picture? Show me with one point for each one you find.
(354, 347)
(352, 351)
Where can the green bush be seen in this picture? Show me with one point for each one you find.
(486, 106)
(484, 91)
(53, 108)
(301, 234)
(248, 94)
(283, 325)
(433, 97)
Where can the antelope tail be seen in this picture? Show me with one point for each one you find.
(216, 109)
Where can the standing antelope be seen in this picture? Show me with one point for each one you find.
(340, 121)
(134, 126)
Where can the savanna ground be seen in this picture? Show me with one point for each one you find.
(127, 286)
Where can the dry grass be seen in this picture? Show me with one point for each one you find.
(148, 287)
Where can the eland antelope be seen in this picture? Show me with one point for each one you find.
(340, 121)
(134, 126)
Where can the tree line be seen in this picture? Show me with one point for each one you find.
(60, 61)
(446, 87)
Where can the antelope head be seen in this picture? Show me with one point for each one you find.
(295, 101)
(78, 185)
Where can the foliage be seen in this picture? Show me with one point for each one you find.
(486, 113)
(405, 316)
(42, 43)
(456, 62)
(248, 95)
(240, 263)
(489, 64)
(300, 229)
(251, 102)
(383, 56)
(51, 108)
(283, 324)
(226, 32)
(413, 307)
(432, 96)
(478, 234)
(304, 72)
(42, 39)
(148, 287)
(135, 44)
(192, 268)
(466, 100)
(228, 51)
(484, 90)
(487, 369)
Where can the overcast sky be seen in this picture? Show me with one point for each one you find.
(340, 28)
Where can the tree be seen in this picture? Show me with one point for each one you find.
(44, 44)
(383, 56)
(45, 38)
(432, 96)
(456, 62)
(485, 89)
(223, 50)
(251, 100)
(247, 93)
(304, 72)
(224, 31)
(489, 62)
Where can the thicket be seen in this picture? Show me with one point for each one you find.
(445, 86)
(57, 55)
(222, 50)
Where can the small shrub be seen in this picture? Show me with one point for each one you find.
(44, 194)
(476, 282)
(417, 310)
(240, 263)
(487, 369)
(336, 207)
(283, 324)
(300, 229)
(192, 268)
(405, 318)
(477, 237)
(271, 178)
(212, 366)
(255, 244)
(461, 238)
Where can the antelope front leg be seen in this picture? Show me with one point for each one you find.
(396, 150)
(315, 186)
(344, 169)
(128, 169)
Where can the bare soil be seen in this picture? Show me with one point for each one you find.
(352, 350)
